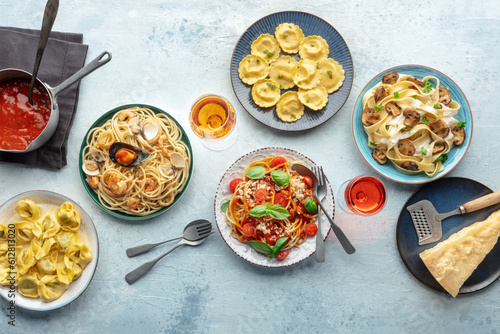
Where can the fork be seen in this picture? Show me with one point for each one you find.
(140, 271)
(320, 245)
(320, 193)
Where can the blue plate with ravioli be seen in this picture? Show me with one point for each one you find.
(454, 156)
(310, 25)
(446, 195)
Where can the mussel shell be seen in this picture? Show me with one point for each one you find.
(142, 155)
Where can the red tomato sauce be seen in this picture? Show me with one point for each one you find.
(21, 122)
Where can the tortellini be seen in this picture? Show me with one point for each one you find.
(289, 107)
(252, 69)
(266, 47)
(314, 74)
(266, 93)
(48, 251)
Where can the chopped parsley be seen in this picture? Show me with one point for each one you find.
(289, 26)
(271, 85)
(317, 65)
(424, 120)
(405, 129)
(330, 74)
(307, 101)
(379, 108)
(396, 95)
(372, 143)
(423, 150)
(437, 106)
(269, 53)
(293, 115)
(300, 59)
(285, 35)
(442, 158)
(387, 127)
(258, 61)
(299, 83)
(280, 76)
(415, 96)
(427, 86)
(461, 124)
(312, 45)
(249, 60)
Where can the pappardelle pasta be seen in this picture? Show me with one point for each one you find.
(48, 249)
(272, 208)
(136, 162)
(410, 122)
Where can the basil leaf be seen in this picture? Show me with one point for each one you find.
(258, 211)
(256, 172)
(260, 247)
(310, 205)
(278, 211)
(224, 206)
(278, 245)
(280, 177)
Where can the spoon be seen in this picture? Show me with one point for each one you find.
(192, 232)
(49, 16)
(305, 171)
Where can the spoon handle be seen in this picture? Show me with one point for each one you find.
(348, 247)
(320, 245)
(49, 16)
(137, 250)
(140, 271)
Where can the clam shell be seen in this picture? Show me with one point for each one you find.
(90, 167)
(177, 160)
(150, 131)
(96, 155)
(167, 170)
(135, 126)
(142, 155)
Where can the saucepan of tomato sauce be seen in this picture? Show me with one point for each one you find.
(25, 127)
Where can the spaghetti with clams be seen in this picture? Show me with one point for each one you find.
(136, 162)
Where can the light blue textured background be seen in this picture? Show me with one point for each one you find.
(166, 53)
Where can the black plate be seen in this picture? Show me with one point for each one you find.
(446, 195)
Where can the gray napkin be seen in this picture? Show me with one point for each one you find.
(64, 55)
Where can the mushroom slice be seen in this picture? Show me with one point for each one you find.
(167, 170)
(96, 155)
(458, 135)
(379, 156)
(390, 78)
(177, 160)
(409, 165)
(416, 81)
(380, 94)
(438, 148)
(439, 128)
(90, 167)
(393, 108)
(412, 117)
(369, 117)
(406, 147)
(444, 95)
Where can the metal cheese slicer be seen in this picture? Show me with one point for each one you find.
(427, 220)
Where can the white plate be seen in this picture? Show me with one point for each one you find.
(243, 250)
(46, 200)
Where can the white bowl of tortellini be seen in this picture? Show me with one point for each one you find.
(55, 246)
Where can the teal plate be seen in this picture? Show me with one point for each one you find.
(103, 119)
(388, 170)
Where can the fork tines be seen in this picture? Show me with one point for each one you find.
(318, 171)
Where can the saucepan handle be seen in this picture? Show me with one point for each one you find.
(102, 59)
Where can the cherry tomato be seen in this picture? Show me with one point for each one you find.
(233, 184)
(311, 229)
(271, 238)
(278, 161)
(260, 194)
(308, 181)
(248, 230)
(281, 198)
(282, 254)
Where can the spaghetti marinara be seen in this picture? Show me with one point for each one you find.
(272, 208)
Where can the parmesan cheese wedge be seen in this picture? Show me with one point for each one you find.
(452, 261)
